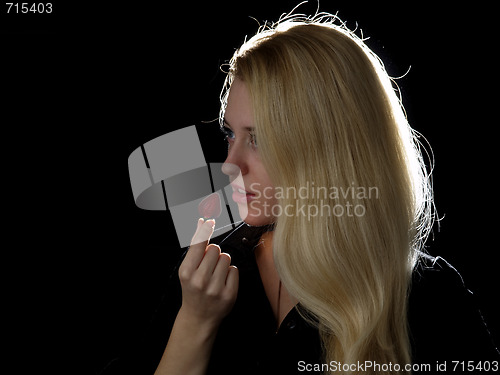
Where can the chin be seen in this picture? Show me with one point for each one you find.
(255, 219)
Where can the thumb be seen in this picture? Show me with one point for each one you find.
(204, 231)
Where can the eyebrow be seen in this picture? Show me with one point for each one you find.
(247, 128)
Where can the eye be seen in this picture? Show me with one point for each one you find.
(228, 133)
(253, 139)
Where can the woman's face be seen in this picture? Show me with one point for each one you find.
(252, 188)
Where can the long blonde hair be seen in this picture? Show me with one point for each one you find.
(327, 115)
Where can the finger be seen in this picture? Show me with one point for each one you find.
(232, 281)
(221, 269)
(209, 262)
(199, 242)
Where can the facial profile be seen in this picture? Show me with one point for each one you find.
(253, 190)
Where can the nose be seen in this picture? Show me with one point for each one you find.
(235, 163)
(230, 169)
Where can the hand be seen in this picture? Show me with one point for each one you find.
(209, 283)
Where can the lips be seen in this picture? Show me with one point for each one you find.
(240, 195)
(239, 189)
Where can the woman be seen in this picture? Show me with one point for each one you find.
(327, 273)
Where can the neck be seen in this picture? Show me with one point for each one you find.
(281, 302)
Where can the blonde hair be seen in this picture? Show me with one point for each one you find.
(326, 113)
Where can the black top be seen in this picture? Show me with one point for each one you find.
(444, 322)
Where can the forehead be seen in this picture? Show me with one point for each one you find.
(239, 112)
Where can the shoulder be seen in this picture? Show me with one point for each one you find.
(437, 293)
(444, 318)
(434, 275)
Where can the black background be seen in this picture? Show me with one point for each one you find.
(88, 84)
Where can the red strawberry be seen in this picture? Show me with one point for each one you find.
(210, 206)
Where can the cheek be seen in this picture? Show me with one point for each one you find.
(268, 195)
(262, 210)
(263, 178)
(265, 204)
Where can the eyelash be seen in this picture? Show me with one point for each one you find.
(229, 135)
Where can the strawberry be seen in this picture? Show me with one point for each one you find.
(210, 206)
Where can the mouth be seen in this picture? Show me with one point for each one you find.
(240, 195)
